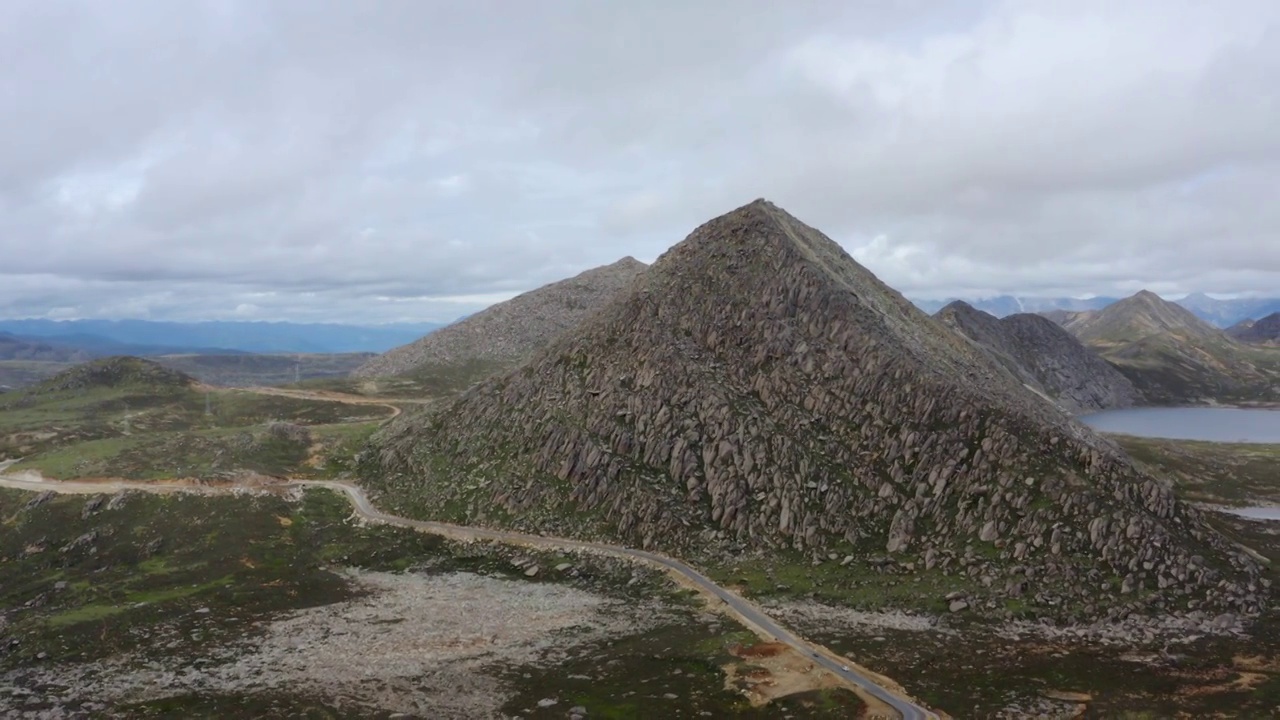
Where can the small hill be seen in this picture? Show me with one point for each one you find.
(758, 396)
(116, 372)
(508, 332)
(1173, 357)
(1265, 331)
(1044, 357)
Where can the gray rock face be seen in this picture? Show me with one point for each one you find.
(1045, 357)
(757, 389)
(511, 330)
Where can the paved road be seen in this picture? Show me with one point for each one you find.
(745, 611)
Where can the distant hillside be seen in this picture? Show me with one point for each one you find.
(1005, 305)
(1173, 357)
(1265, 331)
(13, 347)
(244, 370)
(115, 372)
(757, 396)
(1220, 313)
(509, 331)
(1044, 357)
(1225, 313)
(157, 338)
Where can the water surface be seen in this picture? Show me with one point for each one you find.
(1234, 425)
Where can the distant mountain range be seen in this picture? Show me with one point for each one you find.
(1172, 356)
(147, 337)
(1220, 313)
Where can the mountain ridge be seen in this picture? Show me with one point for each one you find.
(507, 332)
(1045, 357)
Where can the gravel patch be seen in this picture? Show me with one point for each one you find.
(426, 645)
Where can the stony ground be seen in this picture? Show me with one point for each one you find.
(419, 644)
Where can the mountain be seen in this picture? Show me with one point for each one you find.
(13, 347)
(758, 394)
(1174, 357)
(1004, 305)
(1220, 313)
(1265, 331)
(1044, 357)
(1224, 313)
(509, 331)
(115, 372)
(159, 338)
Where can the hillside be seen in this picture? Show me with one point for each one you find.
(115, 372)
(508, 332)
(13, 347)
(1173, 357)
(1045, 358)
(1264, 331)
(757, 395)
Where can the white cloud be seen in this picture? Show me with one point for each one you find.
(406, 160)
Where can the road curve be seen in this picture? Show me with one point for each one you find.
(744, 610)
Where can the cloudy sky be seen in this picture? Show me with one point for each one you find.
(415, 160)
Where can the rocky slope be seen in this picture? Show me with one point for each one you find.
(758, 391)
(1044, 357)
(509, 331)
(1264, 331)
(1173, 357)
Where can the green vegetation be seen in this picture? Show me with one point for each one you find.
(170, 578)
(1235, 474)
(140, 421)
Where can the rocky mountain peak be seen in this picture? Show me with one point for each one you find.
(758, 391)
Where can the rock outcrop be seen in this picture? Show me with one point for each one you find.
(1172, 356)
(756, 390)
(508, 332)
(1044, 357)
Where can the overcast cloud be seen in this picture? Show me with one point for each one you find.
(416, 160)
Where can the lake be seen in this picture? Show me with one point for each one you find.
(1236, 425)
(1255, 513)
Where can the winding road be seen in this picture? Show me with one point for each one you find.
(740, 608)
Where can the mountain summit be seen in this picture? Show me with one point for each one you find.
(505, 333)
(758, 391)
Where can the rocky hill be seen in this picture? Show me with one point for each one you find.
(1265, 331)
(757, 393)
(114, 372)
(1044, 357)
(508, 332)
(1173, 357)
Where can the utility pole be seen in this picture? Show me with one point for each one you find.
(297, 369)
